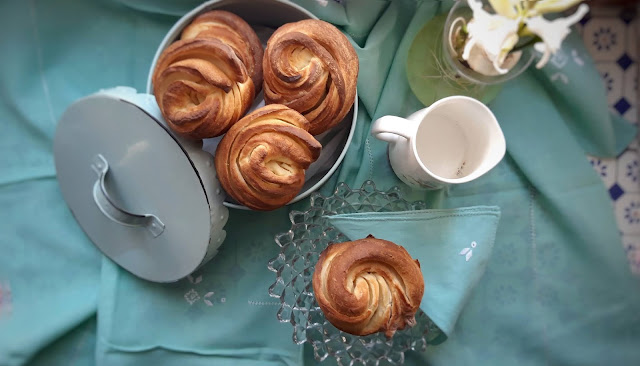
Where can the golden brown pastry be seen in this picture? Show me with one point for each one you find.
(233, 31)
(206, 81)
(367, 286)
(202, 87)
(262, 159)
(310, 66)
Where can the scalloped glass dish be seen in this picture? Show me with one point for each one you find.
(301, 246)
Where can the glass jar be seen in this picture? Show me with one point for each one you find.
(435, 70)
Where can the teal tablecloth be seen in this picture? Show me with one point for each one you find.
(557, 290)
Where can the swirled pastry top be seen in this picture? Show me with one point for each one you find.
(262, 159)
(310, 66)
(206, 81)
(367, 286)
(233, 31)
(202, 87)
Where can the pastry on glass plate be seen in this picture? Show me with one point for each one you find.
(367, 286)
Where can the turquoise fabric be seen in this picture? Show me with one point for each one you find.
(583, 112)
(221, 314)
(76, 347)
(54, 52)
(49, 271)
(452, 245)
(556, 290)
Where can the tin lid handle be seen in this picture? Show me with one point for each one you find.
(111, 210)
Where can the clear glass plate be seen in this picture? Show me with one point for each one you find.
(301, 246)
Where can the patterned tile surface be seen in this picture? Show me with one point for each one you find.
(611, 36)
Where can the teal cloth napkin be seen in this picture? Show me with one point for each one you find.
(556, 290)
(452, 245)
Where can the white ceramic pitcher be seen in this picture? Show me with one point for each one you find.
(455, 140)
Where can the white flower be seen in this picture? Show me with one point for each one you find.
(530, 8)
(553, 32)
(491, 38)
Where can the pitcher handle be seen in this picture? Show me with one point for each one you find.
(388, 128)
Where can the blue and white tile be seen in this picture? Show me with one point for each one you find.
(605, 38)
(632, 39)
(626, 59)
(612, 77)
(631, 81)
(628, 171)
(605, 168)
(605, 11)
(630, 92)
(631, 115)
(632, 248)
(628, 213)
(611, 36)
(623, 106)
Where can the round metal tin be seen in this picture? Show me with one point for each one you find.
(265, 16)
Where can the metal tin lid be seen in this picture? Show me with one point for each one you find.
(148, 199)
